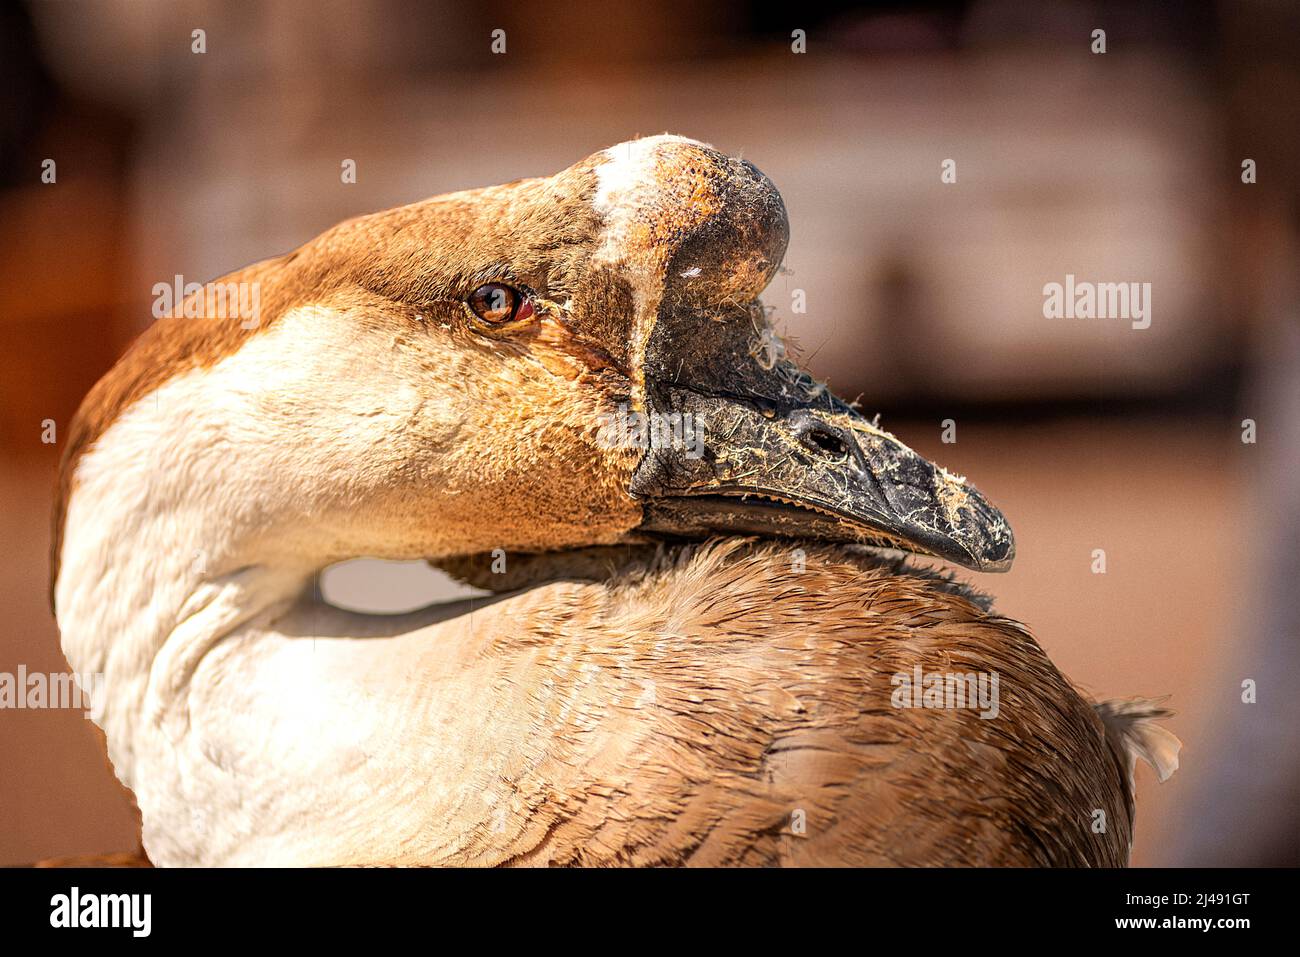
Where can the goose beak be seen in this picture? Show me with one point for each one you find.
(735, 439)
(768, 461)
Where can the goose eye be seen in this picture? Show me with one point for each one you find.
(496, 303)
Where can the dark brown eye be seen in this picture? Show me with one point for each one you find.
(497, 303)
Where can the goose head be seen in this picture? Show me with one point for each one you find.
(579, 359)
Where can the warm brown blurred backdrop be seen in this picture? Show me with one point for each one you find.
(925, 297)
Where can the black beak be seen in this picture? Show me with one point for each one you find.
(761, 449)
(736, 439)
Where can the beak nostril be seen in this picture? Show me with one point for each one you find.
(825, 441)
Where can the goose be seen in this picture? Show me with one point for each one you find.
(692, 648)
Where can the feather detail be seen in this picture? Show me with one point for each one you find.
(1132, 729)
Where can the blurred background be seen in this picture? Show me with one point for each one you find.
(923, 297)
